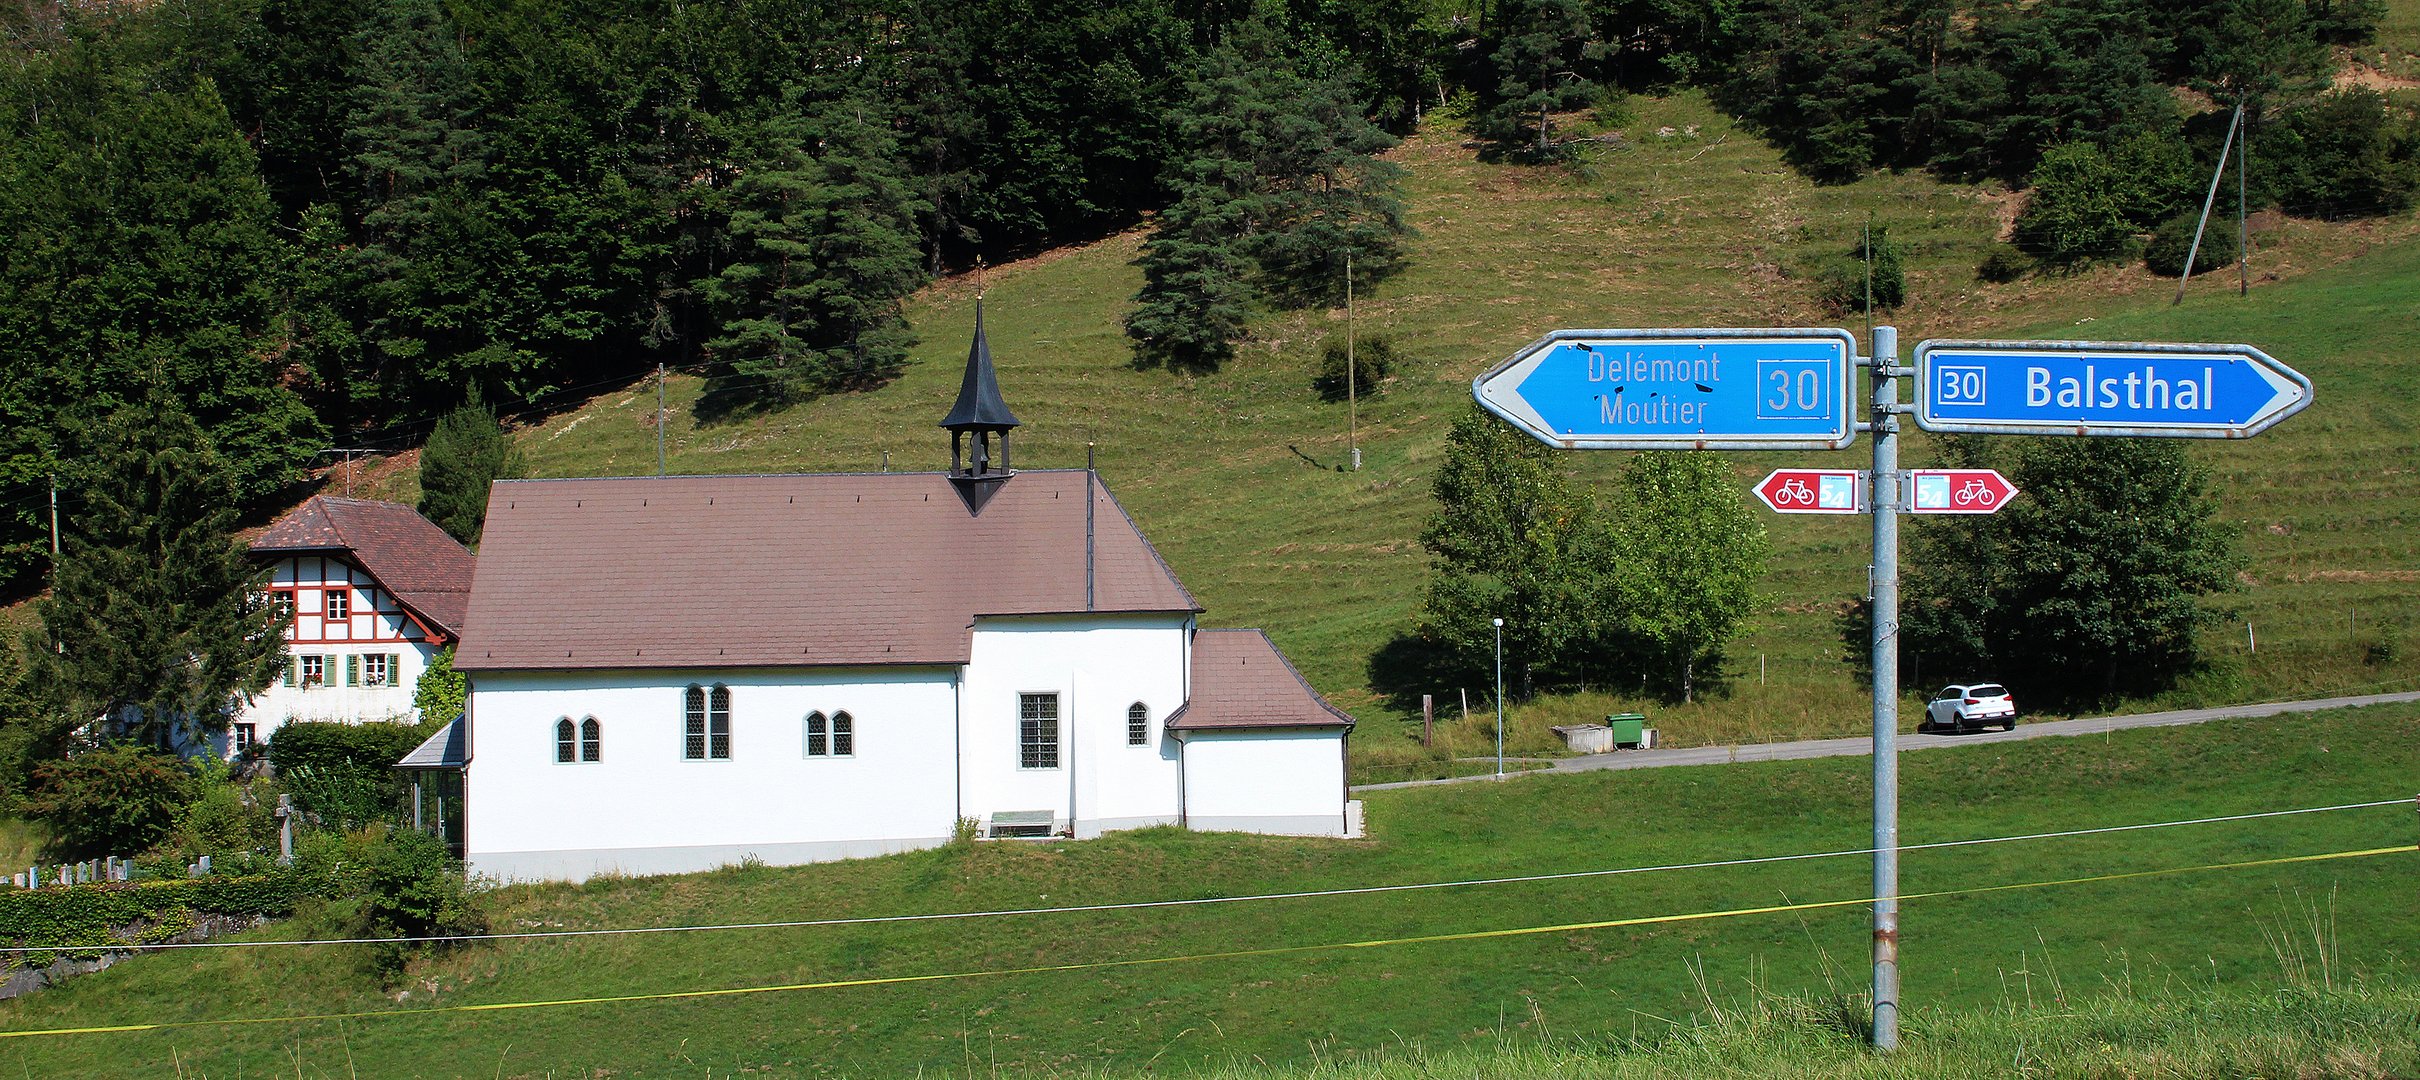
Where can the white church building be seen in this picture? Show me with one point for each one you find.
(670, 674)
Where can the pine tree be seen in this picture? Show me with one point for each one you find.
(141, 254)
(1542, 65)
(823, 248)
(1278, 183)
(430, 267)
(466, 454)
(154, 624)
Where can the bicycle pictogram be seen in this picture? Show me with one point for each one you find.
(1974, 493)
(1794, 492)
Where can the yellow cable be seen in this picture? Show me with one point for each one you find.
(1283, 950)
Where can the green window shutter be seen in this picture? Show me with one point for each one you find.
(291, 664)
(353, 669)
(394, 669)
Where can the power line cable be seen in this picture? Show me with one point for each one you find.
(1234, 954)
(1139, 905)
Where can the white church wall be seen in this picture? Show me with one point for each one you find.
(1289, 782)
(1098, 666)
(646, 809)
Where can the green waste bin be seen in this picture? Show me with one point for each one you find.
(1629, 729)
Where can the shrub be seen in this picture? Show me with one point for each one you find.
(1373, 361)
(79, 922)
(411, 886)
(344, 773)
(2089, 202)
(224, 816)
(442, 691)
(2005, 264)
(331, 746)
(1841, 283)
(2165, 255)
(117, 800)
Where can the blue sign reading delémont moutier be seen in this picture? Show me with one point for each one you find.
(1680, 389)
(2104, 388)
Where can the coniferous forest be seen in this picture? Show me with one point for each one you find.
(316, 223)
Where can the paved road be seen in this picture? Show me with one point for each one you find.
(1864, 745)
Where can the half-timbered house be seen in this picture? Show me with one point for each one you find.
(370, 591)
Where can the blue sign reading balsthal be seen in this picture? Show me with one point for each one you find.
(2101, 388)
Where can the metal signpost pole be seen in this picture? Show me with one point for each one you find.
(1886, 686)
(1499, 699)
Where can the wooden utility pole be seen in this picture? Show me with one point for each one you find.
(1352, 373)
(54, 519)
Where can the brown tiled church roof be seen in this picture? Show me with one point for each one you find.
(408, 554)
(782, 571)
(1240, 680)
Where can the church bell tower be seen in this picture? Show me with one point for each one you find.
(981, 414)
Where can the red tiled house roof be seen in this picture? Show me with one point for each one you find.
(408, 554)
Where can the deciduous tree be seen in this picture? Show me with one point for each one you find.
(1687, 554)
(1506, 542)
(2091, 585)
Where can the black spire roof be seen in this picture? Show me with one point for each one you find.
(979, 404)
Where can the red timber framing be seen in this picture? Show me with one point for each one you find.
(303, 581)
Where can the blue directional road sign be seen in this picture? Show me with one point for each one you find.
(2104, 388)
(1680, 389)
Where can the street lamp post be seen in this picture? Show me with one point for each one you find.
(1499, 699)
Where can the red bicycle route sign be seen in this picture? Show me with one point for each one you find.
(1958, 491)
(1814, 491)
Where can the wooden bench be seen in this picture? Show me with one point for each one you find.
(1022, 823)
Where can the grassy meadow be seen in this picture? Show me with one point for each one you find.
(1238, 478)
(1996, 950)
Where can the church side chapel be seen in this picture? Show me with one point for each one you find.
(671, 674)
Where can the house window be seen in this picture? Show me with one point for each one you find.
(339, 603)
(281, 601)
(244, 737)
(707, 735)
(592, 740)
(1038, 731)
(563, 741)
(378, 669)
(835, 737)
(314, 669)
(1138, 724)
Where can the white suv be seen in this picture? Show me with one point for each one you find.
(1970, 708)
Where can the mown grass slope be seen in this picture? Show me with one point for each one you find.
(1988, 949)
(1692, 221)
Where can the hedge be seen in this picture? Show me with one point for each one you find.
(85, 920)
